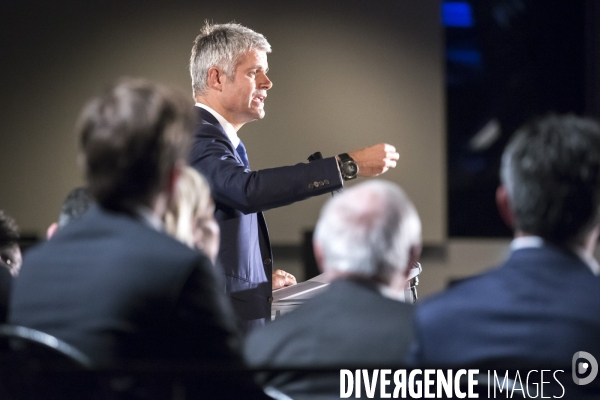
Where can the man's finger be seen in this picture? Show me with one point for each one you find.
(393, 156)
(290, 280)
(389, 148)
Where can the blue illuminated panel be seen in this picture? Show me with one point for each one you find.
(457, 14)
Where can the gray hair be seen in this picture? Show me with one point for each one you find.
(368, 230)
(221, 45)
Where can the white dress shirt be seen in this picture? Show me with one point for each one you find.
(386, 291)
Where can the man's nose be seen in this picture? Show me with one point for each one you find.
(265, 83)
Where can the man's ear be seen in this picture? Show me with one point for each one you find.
(216, 78)
(51, 230)
(503, 203)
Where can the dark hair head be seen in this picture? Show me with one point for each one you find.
(551, 170)
(75, 205)
(9, 231)
(131, 136)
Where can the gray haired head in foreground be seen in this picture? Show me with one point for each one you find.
(221, 45)
(368, 230)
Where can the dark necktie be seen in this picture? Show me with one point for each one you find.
(241, 150)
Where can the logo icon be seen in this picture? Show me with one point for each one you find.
(582, 367)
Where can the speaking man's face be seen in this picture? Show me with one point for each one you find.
(244, 96)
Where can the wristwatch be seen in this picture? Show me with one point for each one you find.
(348, 167)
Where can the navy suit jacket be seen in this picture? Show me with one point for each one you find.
(539, 308)
(241, 195)
(119, 290)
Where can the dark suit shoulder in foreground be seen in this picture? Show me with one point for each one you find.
(539, 308)
(119, 290)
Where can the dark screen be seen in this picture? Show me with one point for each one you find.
(506, 61)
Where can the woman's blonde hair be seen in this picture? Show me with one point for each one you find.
(192, 197)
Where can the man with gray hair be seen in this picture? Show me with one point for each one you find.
(229, 77)
(366, 241)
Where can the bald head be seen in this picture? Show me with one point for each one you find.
(368, 230)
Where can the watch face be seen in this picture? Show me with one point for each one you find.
(350, 169)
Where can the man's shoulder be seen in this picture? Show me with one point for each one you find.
(359, 298)
(208, 126)
(342, 301)
(113, 235)
(462, 294)
(262, 344)
(211, 140)
(205, 115)
(206, 129)
(366, 297)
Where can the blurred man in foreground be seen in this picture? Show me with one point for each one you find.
(366, 241)
(113, 284)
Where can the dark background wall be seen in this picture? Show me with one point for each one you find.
(347, 74)
(506, 61)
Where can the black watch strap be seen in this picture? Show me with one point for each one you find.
(348, 167)
(345, 157)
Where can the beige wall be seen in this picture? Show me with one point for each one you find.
(346, 75)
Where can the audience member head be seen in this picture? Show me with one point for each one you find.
(551, 180)
(134, 139)
(221, 46)
(371, 230)
(10, 253)
(190, 218)
(75, 205)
